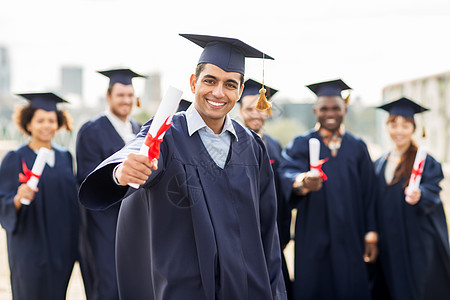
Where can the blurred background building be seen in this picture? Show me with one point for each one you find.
(72, 81)
(5, 71)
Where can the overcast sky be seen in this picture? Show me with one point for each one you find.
(369, 44)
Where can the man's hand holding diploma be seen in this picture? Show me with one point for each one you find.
(136, 168)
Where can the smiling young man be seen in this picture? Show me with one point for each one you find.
(203, 223)
(98, 139)
(335, 224)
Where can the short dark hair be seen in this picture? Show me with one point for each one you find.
(110, 88)
(201, 66)
(23, 114)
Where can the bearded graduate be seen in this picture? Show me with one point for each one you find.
(98, 139)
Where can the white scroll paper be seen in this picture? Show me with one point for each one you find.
(167, 108)
(42, 158)
(314, 154)
(416, 174)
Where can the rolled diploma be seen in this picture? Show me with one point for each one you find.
(314, 153)
(38, 167)
(167, 108)
(420, 156)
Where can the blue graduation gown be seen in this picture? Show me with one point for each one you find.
(274, 150)
(331, 223)
(414, 245)
(194, 230)
(42, 238)
(96, 141)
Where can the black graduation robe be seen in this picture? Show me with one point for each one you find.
(96, 141)
(413, 239)
(331, 223)
(42, 237)
(274, 150)
(194, 230)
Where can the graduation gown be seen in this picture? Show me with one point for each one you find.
(331, 223)
(274, 150)
(96, 141)
(194, 230)
(42, 237)
(413, 239)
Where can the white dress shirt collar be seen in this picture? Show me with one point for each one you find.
(124, 129)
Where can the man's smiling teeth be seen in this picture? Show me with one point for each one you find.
(216, 103)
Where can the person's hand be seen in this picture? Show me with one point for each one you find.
(136, 168)
(370, 247)
(23, 192)
(412, 196)
(305, 183)
(312, 183)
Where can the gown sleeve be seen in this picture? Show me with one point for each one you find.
(269, 230)
(9, 183)
(99, 190)
(294, 162)
(284, 209)
(429, 185)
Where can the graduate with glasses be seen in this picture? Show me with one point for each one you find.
(254, 119)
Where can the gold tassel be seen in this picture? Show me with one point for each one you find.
(423, 132)
(347, 99)
(138, 102)
(262, 103)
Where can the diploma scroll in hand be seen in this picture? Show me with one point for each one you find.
(160, 124)
(416, 173)
(31, 178)
(315, 163)
(314, 153)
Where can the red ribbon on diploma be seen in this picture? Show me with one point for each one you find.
(418, 171)
(318, 167)
(27, 174)
(153, 143)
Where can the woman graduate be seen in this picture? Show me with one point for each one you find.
(413, 238)
(42, 237)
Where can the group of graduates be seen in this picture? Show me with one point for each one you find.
(212, 213)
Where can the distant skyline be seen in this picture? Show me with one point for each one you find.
(367, 44)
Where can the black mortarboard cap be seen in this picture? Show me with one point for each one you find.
(45, 101)
(227, 53)
(403, 107)
(252, 87)
(123, 76)
(329, 88)
(184, 105)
